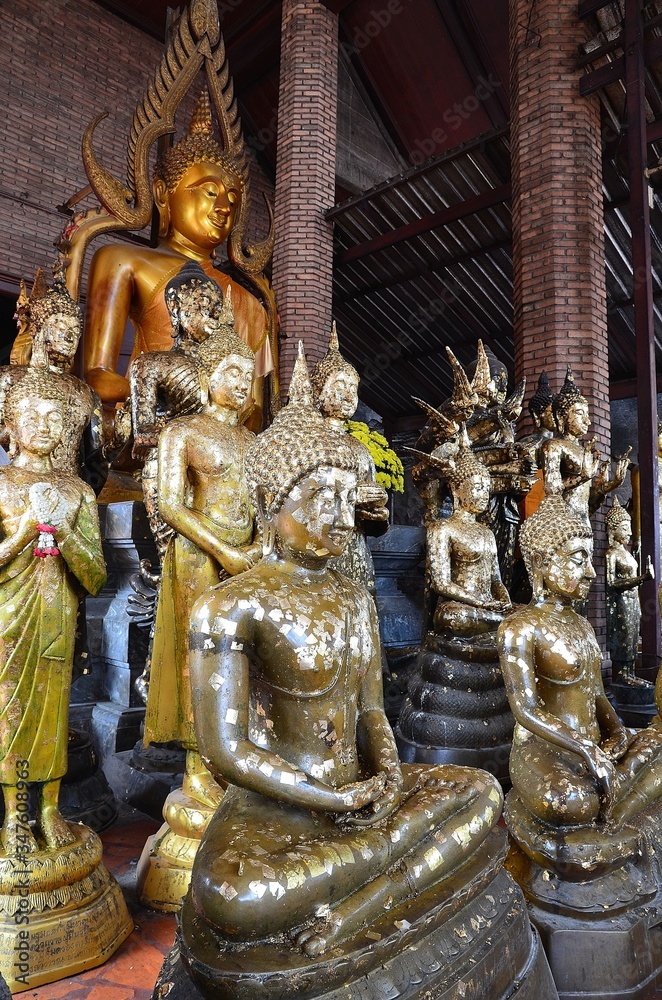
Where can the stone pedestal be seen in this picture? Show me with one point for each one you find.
(475, 943)
(117, 645)
(395, 554)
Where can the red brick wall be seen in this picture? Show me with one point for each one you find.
(558, 243)
(61, 63)
(305, 178)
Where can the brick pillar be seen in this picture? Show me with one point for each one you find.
(558, 242)
(305, 178)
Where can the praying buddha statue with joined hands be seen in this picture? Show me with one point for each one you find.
(578, 775)
(197, 190)
(320, 832)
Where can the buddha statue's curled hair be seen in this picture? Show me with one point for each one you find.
(55, 302)
(37, 384)
(298, 441)
(463, 467)
(332, 362)
(549, 527)
(198, 146)
(567, 397)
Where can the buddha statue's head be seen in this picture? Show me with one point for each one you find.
(540, 404)
(302, 475)
(335, 383)
(570, 409)
(195, 304)
(228, 366)
(619, 524)
(35, 413)
(469, 482)
(55, 320)
(197, 188)
(489, 378)
(557, 549)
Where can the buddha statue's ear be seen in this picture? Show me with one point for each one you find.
(538, 575)
(162, 202)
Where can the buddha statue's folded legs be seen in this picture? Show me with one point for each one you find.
(271, 869)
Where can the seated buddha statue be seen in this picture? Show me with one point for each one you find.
(321, 837)
(197, 190)
(580, 779)
(456, 708)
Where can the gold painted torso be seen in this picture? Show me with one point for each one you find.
(217, 483)
(307, 667)
(471, 548)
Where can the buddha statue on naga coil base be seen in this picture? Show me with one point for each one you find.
(326, 862)
(456, 710)
(52, 875)
(584, 812)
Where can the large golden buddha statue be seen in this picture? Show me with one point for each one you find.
(53, 880)
(325, 858)
(584, 810)
(197, 190)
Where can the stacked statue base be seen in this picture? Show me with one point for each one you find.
(457, 709)
(600, 921)
(470, 930)
(164, 868)
(61, 912)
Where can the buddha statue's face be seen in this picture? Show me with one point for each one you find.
(230, 384)
(577, 420)
(36, 425)
(544, 419)
(202, 207)
(60, 334)
(568, 572)
(622, 532)
(316, 518)
(340, 396)
(198, 310)
(473, 494)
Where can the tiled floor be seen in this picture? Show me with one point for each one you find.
(131, 972)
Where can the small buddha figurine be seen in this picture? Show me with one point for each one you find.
(321, 836)
(203, 497)
(336, 388)
(50, 552)
(456, 702)
(571, 468)
(578, 775)
(623, 607)
(198, 189)
(51, 321)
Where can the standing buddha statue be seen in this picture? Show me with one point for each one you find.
(622, 592)
(51, 872)
(336, 386)
(203, 497)
(53, 323)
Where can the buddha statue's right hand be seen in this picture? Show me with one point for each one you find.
(360, 794)
(604, 772)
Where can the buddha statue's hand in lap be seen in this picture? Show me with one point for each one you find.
(320, 831)
(573, 766)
